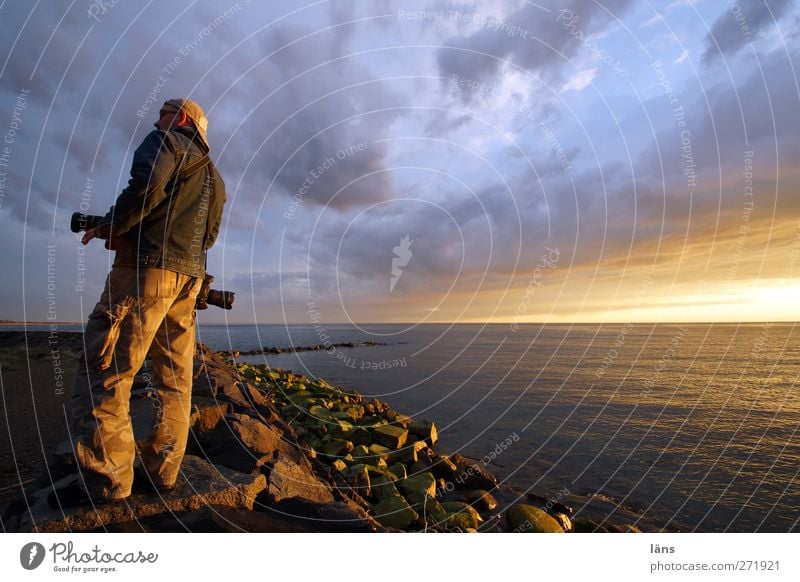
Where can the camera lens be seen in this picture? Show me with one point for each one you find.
(80, 222)
(223, 299)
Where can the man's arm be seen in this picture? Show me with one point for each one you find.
(153, 164)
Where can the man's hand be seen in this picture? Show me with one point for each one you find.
(96, 232)
(89, 235)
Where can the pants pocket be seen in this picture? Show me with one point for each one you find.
(114, 317)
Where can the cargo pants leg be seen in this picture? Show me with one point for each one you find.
(120, 329)
(172, 352)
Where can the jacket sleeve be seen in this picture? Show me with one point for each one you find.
(153, 165)
(215, 210)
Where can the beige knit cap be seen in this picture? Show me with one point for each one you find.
(194, 112)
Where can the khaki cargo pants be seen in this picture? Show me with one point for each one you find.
(140, 310)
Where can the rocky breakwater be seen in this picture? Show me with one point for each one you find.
(271, 451)
(387, 463)
(244, 471)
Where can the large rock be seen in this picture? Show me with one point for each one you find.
(207, 414)
(564, 521)
(348, 494)
(359, 478)
(410, 453)
(361, 454)
(210, 373)
(200, 484)
(379, 452)
(389, 436)
(206, 383)
(354, 411)
(481, 500)
(471, 475)
(424, 483)
(398, 418)
(335, 448)
(399, 470)
(395, 512)
(360, 435)
(426, 430)
(383, 486)
(243, 443)
(431, 513)
(320, 413)
(339, 466)
(461, 516)
(523, 518)
(241, 395)
(290, 479)
(443, 468)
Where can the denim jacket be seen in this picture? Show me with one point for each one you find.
(160, 221)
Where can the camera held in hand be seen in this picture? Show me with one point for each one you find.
(81, 222)
(209, 296)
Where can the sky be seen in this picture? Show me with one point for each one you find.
(422, 162)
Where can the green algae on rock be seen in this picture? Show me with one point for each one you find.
(386, 461)
(523, 518)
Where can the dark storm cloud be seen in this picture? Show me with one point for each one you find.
(532, 38)
(312, 129)
(93, 102)
(85, 91)
(740, 24)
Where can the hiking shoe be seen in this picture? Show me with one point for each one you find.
(142, 483)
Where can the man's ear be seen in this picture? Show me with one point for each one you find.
(183, 119)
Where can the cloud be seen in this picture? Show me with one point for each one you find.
(314, 123)
(536, 39)
(579, 81)
(353, 123)
(739, 24)
(268, 283)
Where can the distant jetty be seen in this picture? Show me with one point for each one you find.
(293, 349)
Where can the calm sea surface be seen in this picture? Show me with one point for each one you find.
(691, 427)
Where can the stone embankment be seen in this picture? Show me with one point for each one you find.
(271, 451)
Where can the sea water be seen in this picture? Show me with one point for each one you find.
(690, 427)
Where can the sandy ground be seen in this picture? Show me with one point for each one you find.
(34, 392)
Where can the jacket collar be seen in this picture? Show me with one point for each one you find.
(193, 135)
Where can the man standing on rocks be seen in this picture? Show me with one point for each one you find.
(160, 227)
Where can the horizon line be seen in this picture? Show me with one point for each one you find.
(731, 322)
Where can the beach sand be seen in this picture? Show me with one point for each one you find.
(35, 382)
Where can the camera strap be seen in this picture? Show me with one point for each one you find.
(193, 167)
(187, 171)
